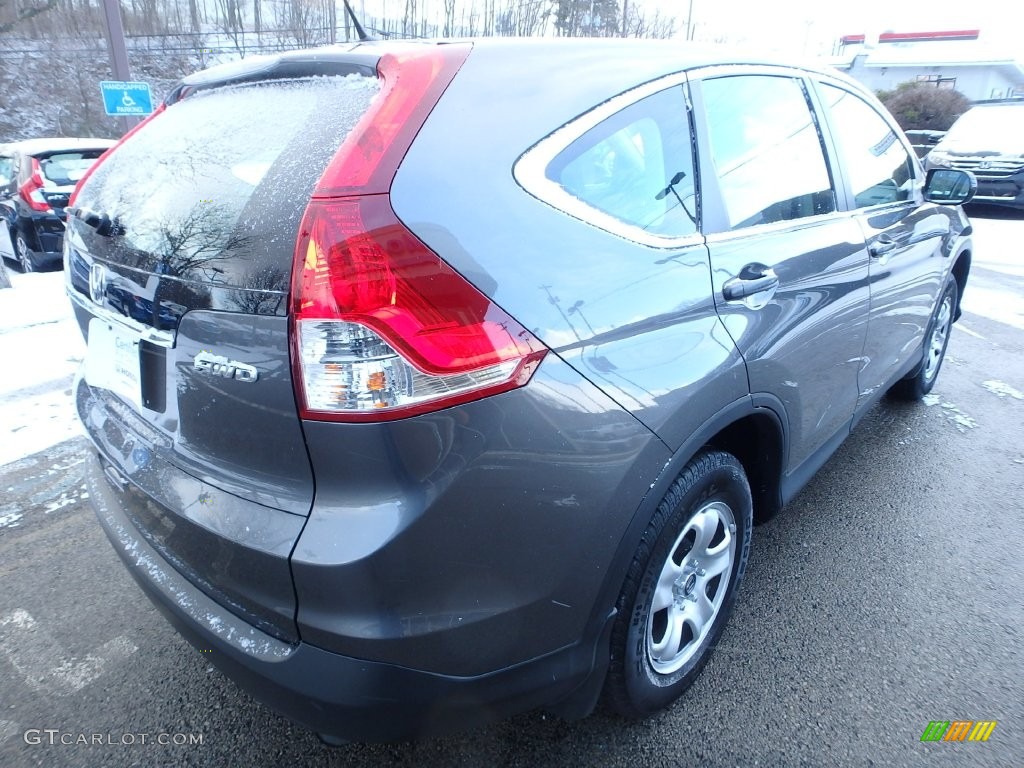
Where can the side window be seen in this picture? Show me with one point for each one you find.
(879, 168)
(766, 150)
(6, 171)
(636, 166)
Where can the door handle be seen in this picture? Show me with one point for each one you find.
(882, 245)
(753, 279)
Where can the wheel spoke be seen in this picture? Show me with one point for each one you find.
(668, 646)
(719, 559)
(663, 593)
(705, 524)
(699, 613)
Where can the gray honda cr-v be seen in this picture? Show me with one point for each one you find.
(430, 383)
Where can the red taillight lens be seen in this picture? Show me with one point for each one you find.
(383, 327)
(105, 155)
(363, 266)
(412, 83)
(32, 190)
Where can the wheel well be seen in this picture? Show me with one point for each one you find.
(756, 440)
(960, 271)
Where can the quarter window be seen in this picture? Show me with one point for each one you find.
(636, 166)
(766, 150)
(878, 166)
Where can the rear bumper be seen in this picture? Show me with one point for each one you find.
(332, 694)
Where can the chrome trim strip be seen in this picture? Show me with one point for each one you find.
(144, 332)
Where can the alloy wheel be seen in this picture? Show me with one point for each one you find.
(691, 587)
(938, 338)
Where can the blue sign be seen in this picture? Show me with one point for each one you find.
(120, 98)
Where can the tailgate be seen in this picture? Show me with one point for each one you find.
(178, 261)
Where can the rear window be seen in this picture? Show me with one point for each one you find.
(64, 169)
(213, 190)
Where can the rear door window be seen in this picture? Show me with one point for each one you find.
(636, 166)
(766, 150)
(877, 164)
(213, 190)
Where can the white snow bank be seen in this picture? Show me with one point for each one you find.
(41, 347)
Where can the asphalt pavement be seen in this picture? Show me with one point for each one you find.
(886, 596)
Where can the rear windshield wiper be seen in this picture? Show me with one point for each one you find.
(101, 222)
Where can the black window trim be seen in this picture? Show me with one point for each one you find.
(917, 198)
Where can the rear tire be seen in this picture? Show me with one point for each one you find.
(920, 383)
(21, 252)
(681, 586)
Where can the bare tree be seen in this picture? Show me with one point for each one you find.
(655, 25)
(449, 18)
(21, 14)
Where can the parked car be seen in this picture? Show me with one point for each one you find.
(481, 359)
(988, 141)
(36, 180)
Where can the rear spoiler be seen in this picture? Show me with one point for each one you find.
(336, 61)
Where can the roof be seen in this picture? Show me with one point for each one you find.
(39, 146)
(910, 37)
(653, 56)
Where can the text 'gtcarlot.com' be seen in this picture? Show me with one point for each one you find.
(52, 736)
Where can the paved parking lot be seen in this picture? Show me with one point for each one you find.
(886, 596)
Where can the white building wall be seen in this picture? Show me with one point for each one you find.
(974, 82)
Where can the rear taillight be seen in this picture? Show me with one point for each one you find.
(32, 190)
(105, 155)
(382, 327)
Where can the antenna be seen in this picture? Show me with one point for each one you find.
(360, 32)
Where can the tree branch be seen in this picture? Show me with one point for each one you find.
(25, 14)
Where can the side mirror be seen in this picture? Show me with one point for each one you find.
(949, 187)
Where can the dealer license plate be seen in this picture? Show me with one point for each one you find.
(112, 361)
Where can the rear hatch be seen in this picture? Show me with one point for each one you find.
(61, 170)
(178, 260)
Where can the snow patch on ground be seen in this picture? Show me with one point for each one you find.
(958, 418)
(1002, 306)
(10, 519)
(1000, 389)
(42, 347)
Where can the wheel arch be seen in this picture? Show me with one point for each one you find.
(757, 441)
(752, 429)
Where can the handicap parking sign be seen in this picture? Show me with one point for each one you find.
(124, 98)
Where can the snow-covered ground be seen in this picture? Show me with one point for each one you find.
(41, 347)
(997, 250)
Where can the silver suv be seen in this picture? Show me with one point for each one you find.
(430, 383)
(988, 141)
